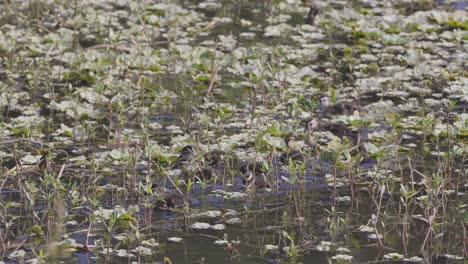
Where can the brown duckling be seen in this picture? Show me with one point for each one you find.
(339, 108)
(292, 152)
(337, 129)
(220, 160)
(172, 200)
(186, 157)
(252, 166)
(254, 175)
(256, 180)
(200, 174)
(313, 11)
(192, 165)
(215, 158)
(204, 167)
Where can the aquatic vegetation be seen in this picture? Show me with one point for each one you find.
(238, 131)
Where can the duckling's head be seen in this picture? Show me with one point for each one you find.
(312, 125)
(325, 101)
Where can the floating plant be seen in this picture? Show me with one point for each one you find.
(99, 100)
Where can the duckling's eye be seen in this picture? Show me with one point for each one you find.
(312, 124)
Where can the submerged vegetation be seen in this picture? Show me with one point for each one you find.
(233, 131)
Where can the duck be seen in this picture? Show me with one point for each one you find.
(339, 108)
(292, 152)
(337, 129)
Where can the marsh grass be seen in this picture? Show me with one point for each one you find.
(97, 101)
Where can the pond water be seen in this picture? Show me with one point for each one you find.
(100, 98)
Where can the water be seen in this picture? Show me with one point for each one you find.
(77, 153)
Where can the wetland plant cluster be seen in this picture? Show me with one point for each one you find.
(233, 131)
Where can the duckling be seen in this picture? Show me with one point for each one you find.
(339, 108)
(215, 158)
(313, 11)
(256, 180)
(191, 165)
(337, 129)
(204, 167)
(252, 166)
(200, 174)
(254, 175)
(221, 160)
(292, 152)
(186, 157)
(172, 200)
